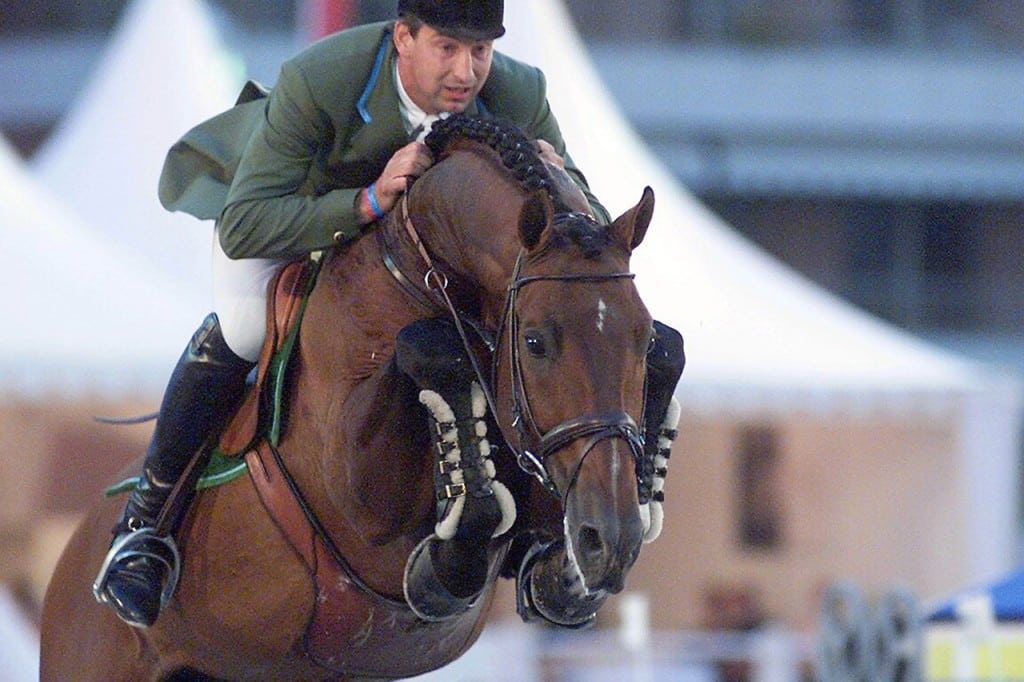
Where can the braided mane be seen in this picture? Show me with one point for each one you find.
(519, 155)
(517, 152)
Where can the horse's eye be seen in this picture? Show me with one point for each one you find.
(535, 345)
(651, 340)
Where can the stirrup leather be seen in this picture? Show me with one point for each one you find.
(143, 542)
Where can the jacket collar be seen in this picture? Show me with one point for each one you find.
(378, 105)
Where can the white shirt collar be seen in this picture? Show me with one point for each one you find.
(413, 117)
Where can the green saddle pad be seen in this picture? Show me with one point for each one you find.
(223, 469)
(219, 471)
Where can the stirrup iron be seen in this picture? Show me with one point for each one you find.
(143, 542)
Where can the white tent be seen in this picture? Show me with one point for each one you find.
(84, 323)
(19, 642)
(81, 315)
(162, 72)
(750, 322)
(764, 343)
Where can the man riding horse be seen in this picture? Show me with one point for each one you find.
(312, 166)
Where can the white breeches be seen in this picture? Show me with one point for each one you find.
(240, 299)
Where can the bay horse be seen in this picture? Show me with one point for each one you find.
(553, 322)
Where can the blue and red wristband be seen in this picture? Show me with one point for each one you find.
(371, 202)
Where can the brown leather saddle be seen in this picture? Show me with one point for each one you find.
(260, 413)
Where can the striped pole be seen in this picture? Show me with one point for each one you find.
(323, 17)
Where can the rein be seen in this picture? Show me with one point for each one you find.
(532, 459)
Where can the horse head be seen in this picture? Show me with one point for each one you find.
(569, 359)
(578, 335)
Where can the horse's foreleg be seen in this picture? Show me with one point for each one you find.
(450, 568)
(665, 362)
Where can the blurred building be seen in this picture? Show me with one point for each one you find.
(877, 146)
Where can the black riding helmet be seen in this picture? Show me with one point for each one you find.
(463, 19)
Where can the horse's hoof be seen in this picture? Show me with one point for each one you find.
(138, 576)
(542, 595)
(426, 593)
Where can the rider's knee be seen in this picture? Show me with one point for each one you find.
(243, 331)
(433, 354)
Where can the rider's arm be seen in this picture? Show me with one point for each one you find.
(271, 211)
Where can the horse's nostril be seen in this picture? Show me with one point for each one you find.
(590, 544)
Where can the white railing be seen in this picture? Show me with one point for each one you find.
(855, 641)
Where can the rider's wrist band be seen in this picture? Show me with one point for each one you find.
(371, 201)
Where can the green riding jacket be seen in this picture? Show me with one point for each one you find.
(281, 172)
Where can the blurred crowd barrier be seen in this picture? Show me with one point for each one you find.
(858, 641)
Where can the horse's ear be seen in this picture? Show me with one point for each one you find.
(631, 226)
(536, 215)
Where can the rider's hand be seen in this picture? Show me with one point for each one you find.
(548, 154)
(409, 162)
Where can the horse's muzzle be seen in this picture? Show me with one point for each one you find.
(603, 529)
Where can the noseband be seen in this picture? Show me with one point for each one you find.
(534, 447)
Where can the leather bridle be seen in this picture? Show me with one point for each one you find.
(534, 446)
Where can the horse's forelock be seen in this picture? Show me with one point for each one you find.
(579, 230)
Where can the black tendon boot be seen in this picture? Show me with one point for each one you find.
(141, 569)
(665, 362)
(447, 570)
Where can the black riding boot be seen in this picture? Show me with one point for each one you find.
(206, 386)
(665, 362)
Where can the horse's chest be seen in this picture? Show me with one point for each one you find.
(353, 630)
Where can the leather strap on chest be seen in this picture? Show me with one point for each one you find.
(353, 630)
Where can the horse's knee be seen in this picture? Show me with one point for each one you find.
(432, 354)
(666, 358)
(665, 362)
(472, 506)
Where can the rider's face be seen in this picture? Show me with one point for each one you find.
(441, 73)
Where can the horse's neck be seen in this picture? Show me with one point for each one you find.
(468, 215)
